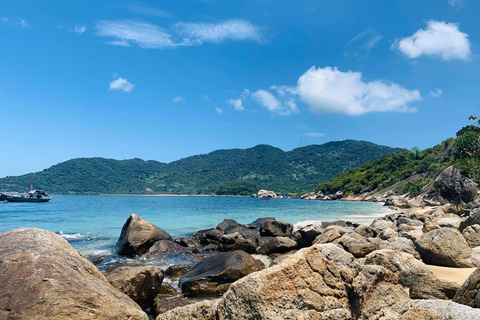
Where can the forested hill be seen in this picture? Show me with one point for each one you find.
(233, 171)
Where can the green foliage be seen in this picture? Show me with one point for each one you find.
(222, 171)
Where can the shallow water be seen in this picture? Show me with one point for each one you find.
(92, 224)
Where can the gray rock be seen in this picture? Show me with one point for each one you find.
(472, 235)
(331, 233)
(213, 276)
(428, 286)
(449, 221)
(277, 245)
(305, 232)
(469, 292)
(381, 224)
(473, 218)
(444, 247)
(141, 283)
(401, 245)
(447, 310)
(138, 235)
(355, 244)
(452, 186)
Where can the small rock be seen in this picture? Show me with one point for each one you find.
(164, 247)
(277, 245)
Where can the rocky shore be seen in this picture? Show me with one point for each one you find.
(267, 269)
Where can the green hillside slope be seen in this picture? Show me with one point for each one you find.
(233, 171)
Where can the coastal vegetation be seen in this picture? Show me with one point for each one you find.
(232, 171)
(411, 170)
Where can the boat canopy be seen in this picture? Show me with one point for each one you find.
(40, 192)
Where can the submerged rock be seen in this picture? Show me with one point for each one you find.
(43, 277)
(138, 235)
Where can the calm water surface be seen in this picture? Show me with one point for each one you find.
(92, 224)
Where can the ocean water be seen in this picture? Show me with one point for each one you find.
(92, 224)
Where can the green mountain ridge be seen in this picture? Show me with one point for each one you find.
(227, 171)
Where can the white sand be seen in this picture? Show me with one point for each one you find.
(458, 275)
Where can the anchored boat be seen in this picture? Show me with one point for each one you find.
(32, 196)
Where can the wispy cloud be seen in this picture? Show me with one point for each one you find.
(455, 3)
(79, 29)
(314, 134)
(436, 93)
(142, 9)
(439, 38)
(17, 21)
(121, 84)
(236, 30)
(205, 97)
(267, 100)
(178, 99)
(236, 103)
(219, 110)
(365, 41)
(127, 32)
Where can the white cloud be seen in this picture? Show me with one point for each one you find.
(236, 103)
(126, 32)
(268, 100)
(219, 110)
(436, 93)
(440, 39)
(79, 29)
(314, 134)
(142, 9)
(328, 90)
(236, 29)
(178, 99)
(121, 84)
(18, 21)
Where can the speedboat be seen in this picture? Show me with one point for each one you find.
(32, 196)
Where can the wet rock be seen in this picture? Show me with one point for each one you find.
(469, 292)
(187, 242)
(428, 286)
(234, 241)
(472, 235)
(277, 245)
(43, 277)
(404, 265)
(228, 225)
(276, 228)
(138, 235)
(213, 276)
(444, 247)
(165, 246)
(209, 236)
(452, 186)
(176, 271)
(141, 283)
(168, 290)
(166, 303)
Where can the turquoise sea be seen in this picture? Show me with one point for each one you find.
(92, 224)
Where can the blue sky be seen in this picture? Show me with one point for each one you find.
(163, 80)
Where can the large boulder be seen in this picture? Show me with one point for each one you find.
(138, 235)
(265, 194)
(453, 187)
(404, 265)
(276, 228)
(43, 277)
(469, 292)
(235, 241)
(444, 247)
(305, 232)
(446, 310)
(141, 283)
(472, 235)
(213, 276)
(377, 295)
(227, 225)
(428, 286)
(400, 244)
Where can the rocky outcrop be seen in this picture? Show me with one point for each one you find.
(141, 283)
(43, 277)
(469, 292)
(138, 235)
(213, 276)
(265, 194)
(444, 247)
(453, 187)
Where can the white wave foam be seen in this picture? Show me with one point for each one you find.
(70, 236)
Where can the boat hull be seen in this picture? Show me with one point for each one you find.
(19, 199)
